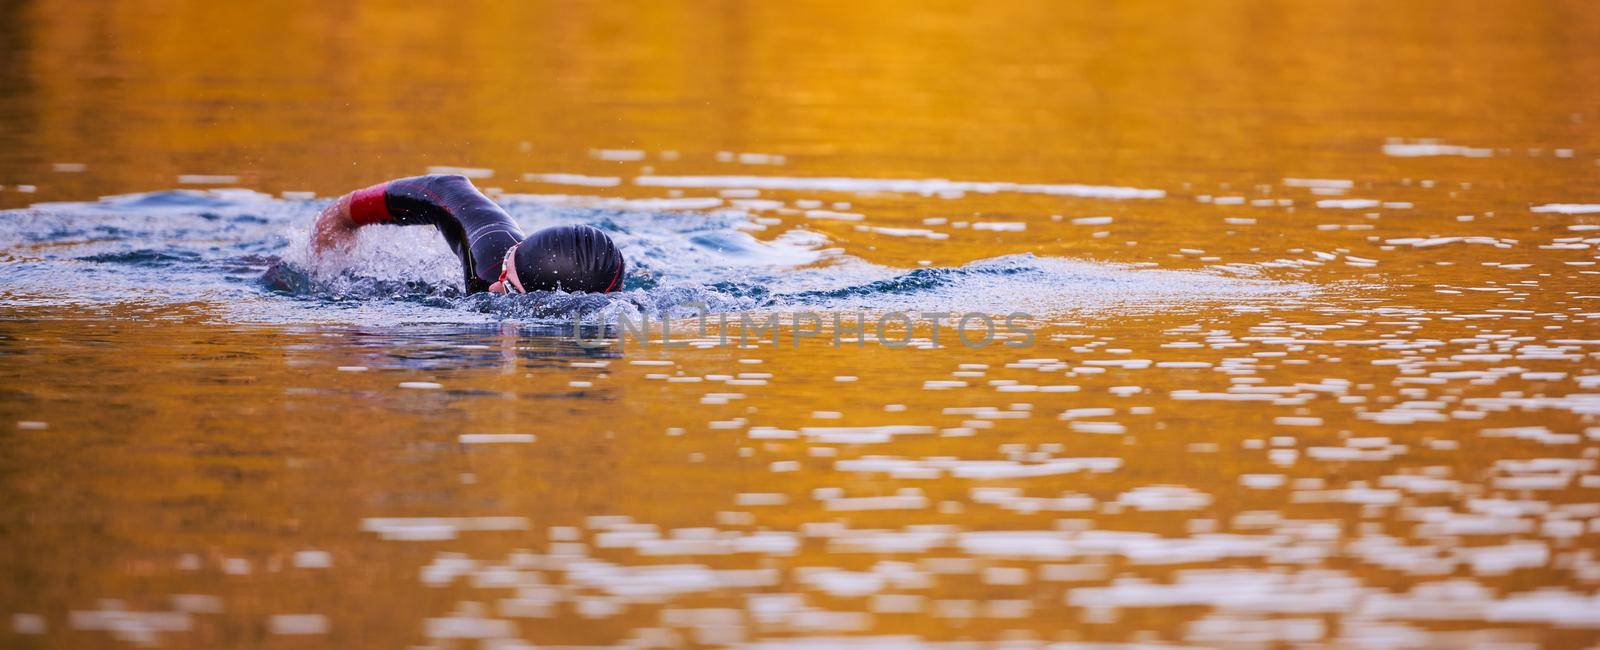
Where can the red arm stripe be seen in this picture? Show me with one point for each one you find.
(368, 205)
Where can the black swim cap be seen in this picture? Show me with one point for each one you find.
(570, 258)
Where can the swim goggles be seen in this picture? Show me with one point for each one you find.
(505, 271)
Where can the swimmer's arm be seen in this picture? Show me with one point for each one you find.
(336, 226)
(478, 230)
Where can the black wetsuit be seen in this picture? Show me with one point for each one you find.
(479, 231)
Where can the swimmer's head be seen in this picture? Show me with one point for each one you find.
(570, 258)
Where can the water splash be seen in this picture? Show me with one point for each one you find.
(246, 253)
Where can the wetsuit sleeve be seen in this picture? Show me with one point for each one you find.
(478, 230)
(367, 205)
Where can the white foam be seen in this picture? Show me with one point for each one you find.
(1164, 497)
(863, 435)
(438, 528)
(617, 155)
(1348, 204)
(573, 179)
(1567, 208)
(495, 438)
(313, 559)
(1325, 183)
(1320, 591)
(1422, 149)
(976, 469)
(134, 627)
(297, 624)
(468, 627)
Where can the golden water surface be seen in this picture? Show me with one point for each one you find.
(1403, 455)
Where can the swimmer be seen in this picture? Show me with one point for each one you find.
(495, 256)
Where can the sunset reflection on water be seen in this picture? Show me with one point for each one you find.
(1320, 367)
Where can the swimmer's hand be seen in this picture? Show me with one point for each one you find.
(334, 228)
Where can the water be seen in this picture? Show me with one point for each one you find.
(247, 252)
(1311, 296)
